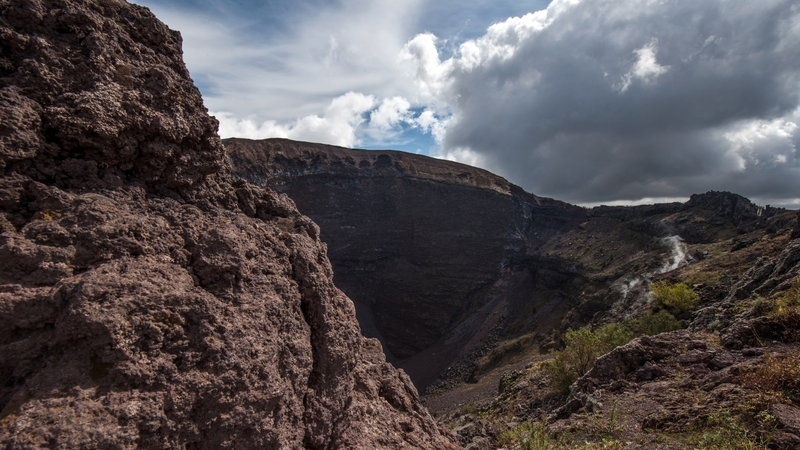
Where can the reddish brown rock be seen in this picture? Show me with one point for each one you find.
(788, 419)
(630, 357)
(145, 299)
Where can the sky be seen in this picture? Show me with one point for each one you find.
(587, 101)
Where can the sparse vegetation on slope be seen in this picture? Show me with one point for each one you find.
(584, 346)
(778, 378)
(787, 303)
(729, 381)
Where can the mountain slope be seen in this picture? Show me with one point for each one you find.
(728, 381)
(445, 261)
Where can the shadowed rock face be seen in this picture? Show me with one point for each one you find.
(146, 300)
(445, 260)
(415, 249)
(420, 244)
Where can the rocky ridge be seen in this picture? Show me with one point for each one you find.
(455, 269)
(147, 300)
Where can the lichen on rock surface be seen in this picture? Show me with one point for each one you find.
(146, 299)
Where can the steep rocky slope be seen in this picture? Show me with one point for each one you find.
(454, 269)
(729, 381)
(419, 244)
(146, 299)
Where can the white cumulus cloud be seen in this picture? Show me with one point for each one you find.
(390, 113)
(337, 126)
(645, 69)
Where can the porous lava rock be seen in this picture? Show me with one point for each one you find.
(146, 300)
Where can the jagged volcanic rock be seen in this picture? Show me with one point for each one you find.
(739, 210)
(146, 300)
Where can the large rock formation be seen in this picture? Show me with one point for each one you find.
(146, 300)
(418, 242)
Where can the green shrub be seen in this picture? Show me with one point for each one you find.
(676, 297)
(653, 324)
(582, 348)
(759, 308)
(538, 438)
(788, 303)
(512, 436)
(528, 436)
(613, 335)
(562, 374)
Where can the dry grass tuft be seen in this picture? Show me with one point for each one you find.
(778, 374)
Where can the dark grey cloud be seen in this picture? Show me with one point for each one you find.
(605, 100)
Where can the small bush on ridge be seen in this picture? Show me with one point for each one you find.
(652, 324)
(677, 298)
